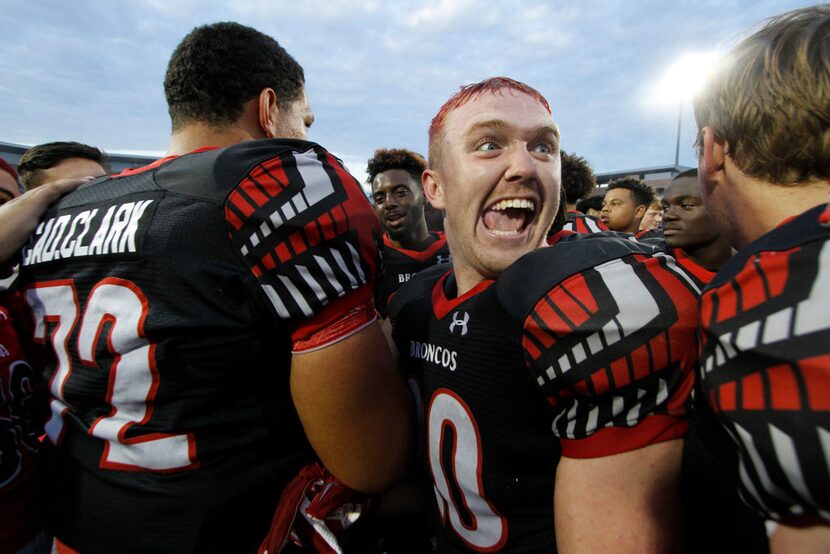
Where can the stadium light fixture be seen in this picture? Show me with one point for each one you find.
(680, 83)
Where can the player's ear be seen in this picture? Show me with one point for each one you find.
(433, 188)
(268, 112)
(640, 211)
(715, 151)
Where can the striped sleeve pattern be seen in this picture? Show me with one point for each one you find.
(308, 234)
(612, 350)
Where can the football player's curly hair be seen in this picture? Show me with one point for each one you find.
(217, 68)
(577, 177)
(643, 195)
(396, 158)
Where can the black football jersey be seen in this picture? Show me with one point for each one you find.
(582, 349)
(172, 297)
(400, 264)
(765, 367)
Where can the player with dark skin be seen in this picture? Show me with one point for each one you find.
(686, 223)
(399, 201)
(625, 205)
(237, 103)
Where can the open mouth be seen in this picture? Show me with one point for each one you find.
(510, 217)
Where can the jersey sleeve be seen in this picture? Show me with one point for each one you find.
(308, 234)
(612, 350)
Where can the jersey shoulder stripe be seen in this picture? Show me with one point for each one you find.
(805, 228)
(306, 230)
(529, 278)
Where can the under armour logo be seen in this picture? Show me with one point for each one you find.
(439, 259)
(460, 321)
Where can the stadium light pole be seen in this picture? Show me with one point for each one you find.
(677, 146)
(680, 83)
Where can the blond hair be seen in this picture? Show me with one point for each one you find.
(769, 99)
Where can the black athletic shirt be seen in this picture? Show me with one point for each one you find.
(400, 264)
(585, 349)
(172, 297)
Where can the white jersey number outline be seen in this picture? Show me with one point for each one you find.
(133, 378)
(488, 530)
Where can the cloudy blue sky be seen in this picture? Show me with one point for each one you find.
(92, 70)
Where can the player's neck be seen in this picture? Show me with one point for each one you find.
(199, 135)
(466, 279)
(634, 228)
(711, 256)
(763, 206)
(412, 239)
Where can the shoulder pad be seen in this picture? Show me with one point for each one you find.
(530, 277)
(213, 173)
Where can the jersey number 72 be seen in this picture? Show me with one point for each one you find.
(133, 379)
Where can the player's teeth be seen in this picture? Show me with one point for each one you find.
(503, 233)
(514, 203)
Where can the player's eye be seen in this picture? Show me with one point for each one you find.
(543, 148)
(379, 199)
(688, 205)
(487, 145)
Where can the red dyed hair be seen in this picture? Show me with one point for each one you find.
(5, 166)
(493, 85)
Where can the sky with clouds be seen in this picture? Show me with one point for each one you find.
(376, 72)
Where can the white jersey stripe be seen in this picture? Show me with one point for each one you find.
(788, 460)
(276, 301)
(341, 263)
(312, 283)
(356, 260)
(297, 296)
(330, 275)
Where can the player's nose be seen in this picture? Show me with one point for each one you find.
(521, 166)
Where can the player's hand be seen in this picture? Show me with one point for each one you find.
(20, 216)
